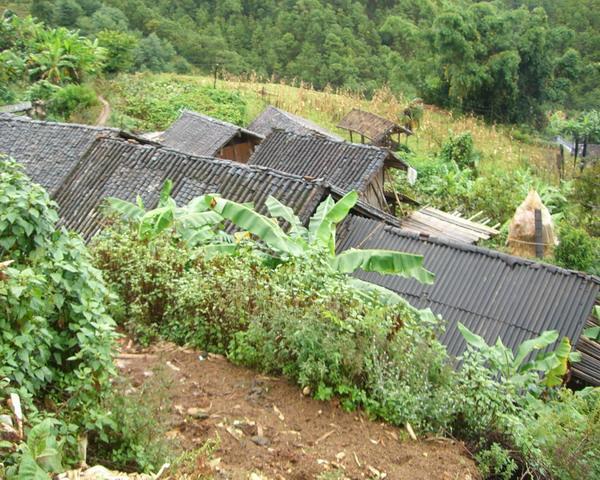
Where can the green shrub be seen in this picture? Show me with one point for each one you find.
(71, 99)
(577, 250)
(56, 337)
(566, 433)
(299, 319)
(460, 150)
(134, 437)
(496, 462)
(157, 100)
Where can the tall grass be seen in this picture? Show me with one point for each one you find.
(501, 147)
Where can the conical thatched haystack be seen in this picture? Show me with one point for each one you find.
(521, 232)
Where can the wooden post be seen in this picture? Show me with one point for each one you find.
(539, 241)
(216, 69)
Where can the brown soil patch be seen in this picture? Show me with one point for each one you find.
(266, 425)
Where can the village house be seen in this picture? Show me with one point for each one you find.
(348, 166)
(197, 134)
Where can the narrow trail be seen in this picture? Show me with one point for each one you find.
(105, 113)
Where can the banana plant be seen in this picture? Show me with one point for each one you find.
(319, 235)
(196, 223)
(553, 365)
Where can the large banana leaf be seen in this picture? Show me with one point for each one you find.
(155, 221)
(192, 219)
(472, 338)
(279, 210)
(200, 204)
(322, 225)
(165, 193)
(124, 209)
(263, 227)
(385, 262)
(546, 338)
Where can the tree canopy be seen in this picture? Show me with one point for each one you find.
(504, 59)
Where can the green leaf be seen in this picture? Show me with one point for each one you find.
(30, 470)
(472, 338)
(384, 262)
(165, 192)
(264, 228)
(279, 210)
(593, 333)
(322, 224)
(546, 338)
(211, 251)
(155, 221)
(123, 208)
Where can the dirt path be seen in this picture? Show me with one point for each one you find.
(267, 426)
(105, 113)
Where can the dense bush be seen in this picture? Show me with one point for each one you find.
(156, 100)
(302, 319)
(56, 337)
(317, 332)
(460, 150)
(70, 99)
(577, 250)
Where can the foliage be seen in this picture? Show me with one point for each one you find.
(40, 455)
(56, 335)
(120, 50)
(566, 430)
(459, 149)
(322, 331)
(496, 462)
(577, 250)
(157, 101)
(71, 99)
(133, 438)
(518, 369)
(502, 59)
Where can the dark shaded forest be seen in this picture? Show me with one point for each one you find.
(506, 60)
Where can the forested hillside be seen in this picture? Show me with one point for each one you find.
(507, 60)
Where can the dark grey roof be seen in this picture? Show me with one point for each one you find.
(49, 151)
(197, 134)
(273, 118)
(349, 166)
(114, 167)
(493, 294)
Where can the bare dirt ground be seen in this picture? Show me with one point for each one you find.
(267, 426)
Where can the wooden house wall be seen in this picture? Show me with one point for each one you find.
(374, 194)
(238, 150)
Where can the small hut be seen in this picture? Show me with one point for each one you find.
(197, 134)
(376, 130)
(531, 232)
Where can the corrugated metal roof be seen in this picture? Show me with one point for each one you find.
(273, 118)
(48, 150)
(113, 167)
(349, 166)
(197, 134)
(371, 126)
(493, 294)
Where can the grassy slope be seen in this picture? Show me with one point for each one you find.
(498, 145)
